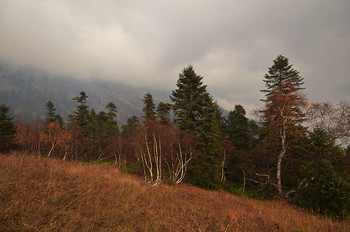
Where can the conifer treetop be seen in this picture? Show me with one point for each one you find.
(281, 71)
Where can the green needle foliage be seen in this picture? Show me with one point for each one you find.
(130, 126)
(109, 125)
(238, 128)
(196, 111)
(281, 71)
(81, 114)
(7, 128)
(51, 115)
(163, 111)
(326, 184)
(149, 108)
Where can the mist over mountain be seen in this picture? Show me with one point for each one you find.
(27, 90)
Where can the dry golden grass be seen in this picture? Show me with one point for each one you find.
(39, 194)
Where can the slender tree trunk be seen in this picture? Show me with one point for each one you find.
(223, 167)
(65, 156)
(182, 165)
(150, 167)
(160, 159)
(52, 146)
(143, 158)
(279, 163)
(280, 157)
(119, 160)
(115, 159)
(243, 178)
(156, 160)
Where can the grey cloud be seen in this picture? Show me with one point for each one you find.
(230, 43)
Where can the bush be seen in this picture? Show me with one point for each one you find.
(327, 195)
(326, 186)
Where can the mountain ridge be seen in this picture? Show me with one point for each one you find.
(26, 91)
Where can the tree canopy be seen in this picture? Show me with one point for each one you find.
(149, 108)
(81, 114)
(7, 128)
(196, 111)
(283, 112)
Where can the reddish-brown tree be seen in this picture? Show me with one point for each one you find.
(77, 140)
(50, 136)
(28, 135)
(283, 116)
(65, 143)
(162, 147)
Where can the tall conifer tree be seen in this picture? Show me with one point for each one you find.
(196, 111)
(238, 129)
(110, 126)
(281, 71)
(163, 111)
(149, 107)
(51, 115)
(7, 128)
(283, 112)
(131, 125)
(81, 114)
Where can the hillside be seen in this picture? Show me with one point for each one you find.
(53, 195)
(27, 90)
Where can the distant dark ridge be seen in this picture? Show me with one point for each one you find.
(26, 91)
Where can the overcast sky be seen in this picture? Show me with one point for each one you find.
(147, 43)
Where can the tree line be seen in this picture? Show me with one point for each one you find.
(290, 152)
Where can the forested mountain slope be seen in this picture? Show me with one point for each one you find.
(27, 90)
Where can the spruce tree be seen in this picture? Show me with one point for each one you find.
(326, 182)
(109, 125)
(149, 108)
(163, 111)
(81, 114)
(281, 71)
(51, 115)
(189, 99)
(196, 111)
(131, 124)
(7, 128)
(112, 110)
(59, 120)
(238, 128)
(93, 134)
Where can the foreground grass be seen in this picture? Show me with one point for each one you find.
(39, 194)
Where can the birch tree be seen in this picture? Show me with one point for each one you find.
(283, 113)
(333, 118)
(164, 151)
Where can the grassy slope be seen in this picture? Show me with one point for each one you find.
(50, 195)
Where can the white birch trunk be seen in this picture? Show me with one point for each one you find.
(223, 167)
(281, 154)
(52, 146)
(150, 166)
